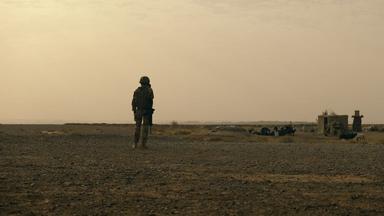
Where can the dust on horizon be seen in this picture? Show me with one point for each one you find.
(208, 60)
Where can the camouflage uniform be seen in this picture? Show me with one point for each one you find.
(142, 106)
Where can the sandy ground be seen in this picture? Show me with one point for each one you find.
(92, 170)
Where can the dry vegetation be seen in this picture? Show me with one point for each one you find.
(188, 170)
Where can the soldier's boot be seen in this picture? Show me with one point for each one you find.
(145, 136)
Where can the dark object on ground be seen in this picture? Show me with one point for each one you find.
(375, 128)
(265, 132)
(348, 135)
(287, 130)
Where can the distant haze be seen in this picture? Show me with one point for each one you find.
(209, 60)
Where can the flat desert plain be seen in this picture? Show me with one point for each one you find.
(187, 170)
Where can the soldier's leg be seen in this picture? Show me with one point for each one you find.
(138, 120)
(145, 131)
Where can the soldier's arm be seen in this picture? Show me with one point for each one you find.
(152, 94)
(134, 102)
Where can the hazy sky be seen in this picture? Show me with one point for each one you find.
(209, 60)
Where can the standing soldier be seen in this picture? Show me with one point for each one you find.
(142, 107)
(357, 122)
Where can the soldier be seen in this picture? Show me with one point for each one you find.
(142, 107)
(357, 122)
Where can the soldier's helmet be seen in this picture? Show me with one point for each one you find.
(144, 80)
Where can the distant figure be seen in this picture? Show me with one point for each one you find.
(276, 131)
(142, 107)
(357, 122)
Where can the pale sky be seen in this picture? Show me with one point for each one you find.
(209, 60)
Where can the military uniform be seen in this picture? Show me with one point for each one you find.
(142, 106)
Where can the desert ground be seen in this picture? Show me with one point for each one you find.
(187, 170)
